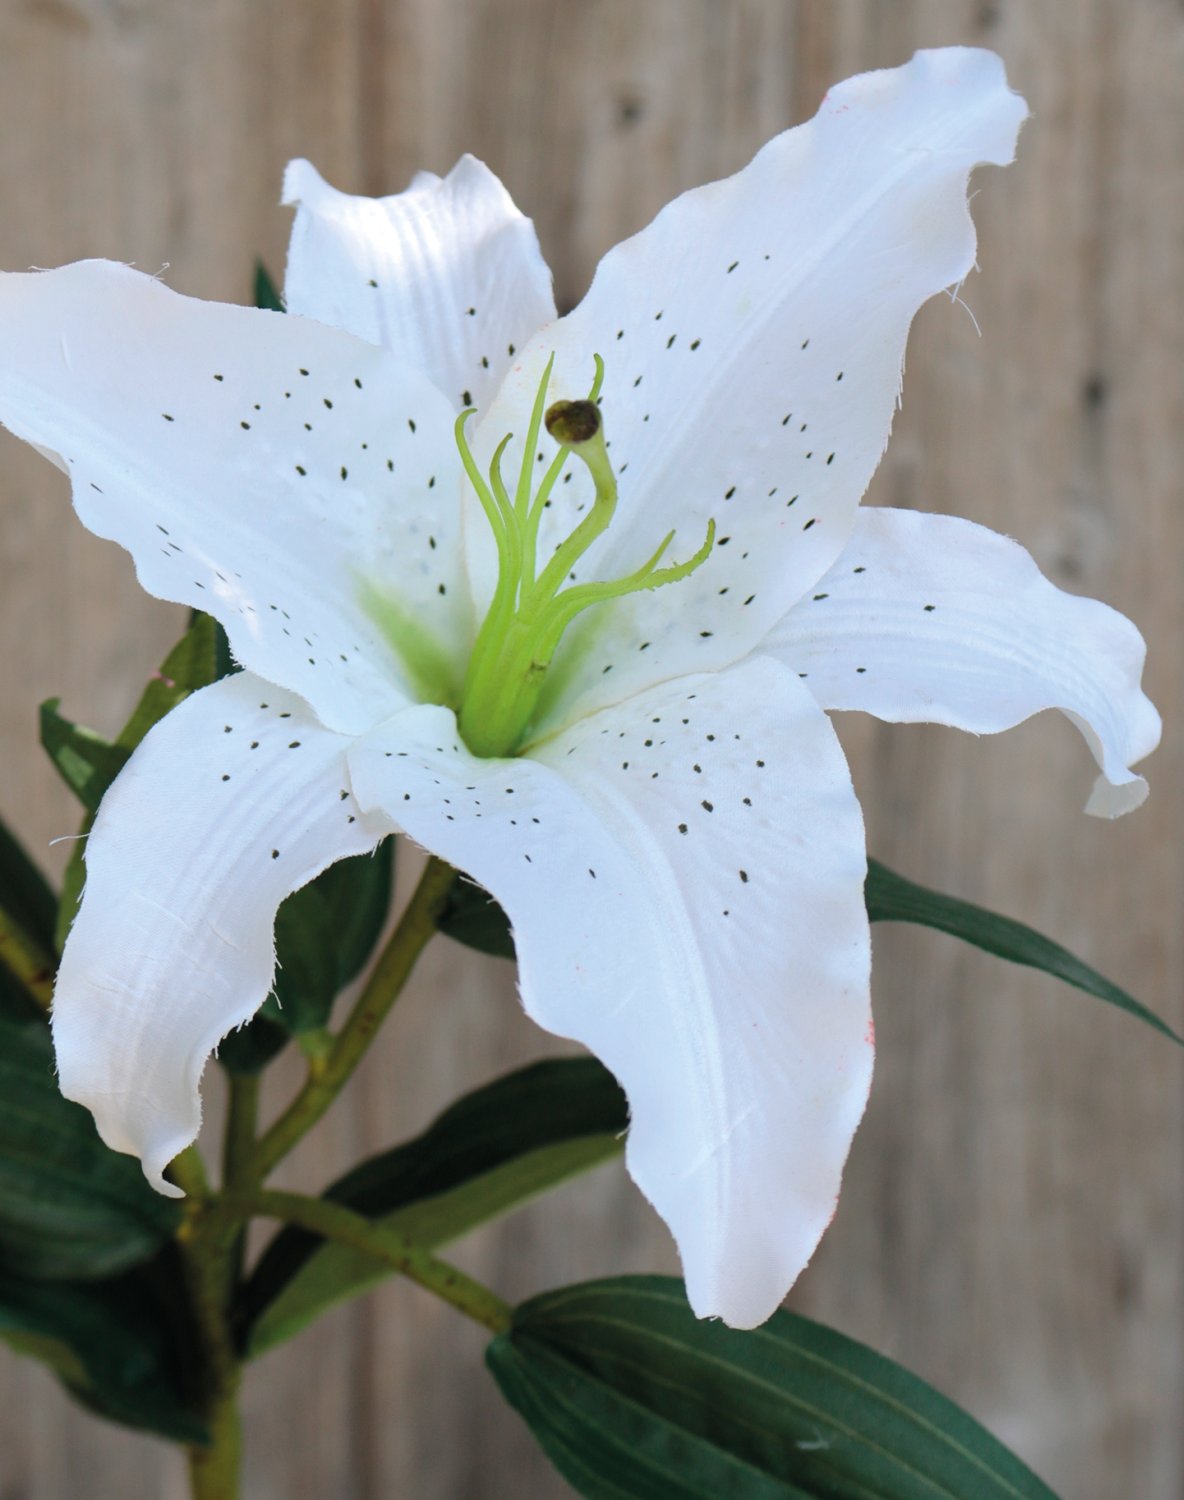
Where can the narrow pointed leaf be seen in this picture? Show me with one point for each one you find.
(892, 898)
(472, 917)
(633, 1398)
(490, 1152)
(69, 1207)
(112, 1343)
(86, 762)
(200, 657)
(267, 294)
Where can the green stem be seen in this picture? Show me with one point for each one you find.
(241, 1120)
(26, 961)
(214, 1470)
(208, 1240)
(334, 1222)
(328, 1075)
(238, 1143)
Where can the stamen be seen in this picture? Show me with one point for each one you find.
(527, 617)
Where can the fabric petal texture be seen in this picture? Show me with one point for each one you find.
(448, 275)
(753, 338)
(264, 468)
(684, 876)
(233, 801)
(932, 618)
(677, 841)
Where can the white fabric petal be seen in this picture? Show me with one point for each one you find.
(753, 337)
(684, 875)
(232, 802)
(257, 466)
(932, 618)
(448, 274)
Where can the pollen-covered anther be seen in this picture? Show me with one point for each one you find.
(572, 423)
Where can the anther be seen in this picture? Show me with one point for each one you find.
(571, 423)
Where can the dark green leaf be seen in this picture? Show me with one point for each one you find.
(267, 294)
(474, 918)
(69, 1207)
(633, 1398)
(16, 1004)
(892, 898)
(324, 934)
(86, 762)
(112, 1343)
(24, 892)
(488, 1153)
(356, 893)
(27, 907)
(306, 968)
(252, 1047)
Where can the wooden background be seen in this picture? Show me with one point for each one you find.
(1011, 1225)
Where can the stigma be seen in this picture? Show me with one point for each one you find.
(532, 607)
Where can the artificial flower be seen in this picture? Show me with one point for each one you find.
(590, 673)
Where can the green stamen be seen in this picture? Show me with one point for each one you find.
(528, 616)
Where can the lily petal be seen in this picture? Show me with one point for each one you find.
(684, 875)
(932, 618)
(234, 800)
(264, 468)
(754, 337)
(448, 274)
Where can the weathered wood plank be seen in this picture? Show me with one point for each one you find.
(1012, 1222)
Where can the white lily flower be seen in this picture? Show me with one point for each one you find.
(631, 753)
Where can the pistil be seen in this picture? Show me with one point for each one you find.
(528, 616)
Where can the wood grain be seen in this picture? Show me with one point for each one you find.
(1013, 1216)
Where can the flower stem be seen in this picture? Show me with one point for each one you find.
(241, 1120)
(327, 1075)
(335, 1222)
(208, 1238)
(214, 1470)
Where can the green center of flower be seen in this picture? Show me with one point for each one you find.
(531, 608)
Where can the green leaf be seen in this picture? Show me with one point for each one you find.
(252, 1047)
(474, 918)
(631, 1396)
(25, 893)
(112, 1343)
(86, 762)
(490, 1152)
(69, 1207)
(199, 658)
(16, 1004)
(324, 933)
(27, 907)
(267, 294)
(892, 898)
(356, 893)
